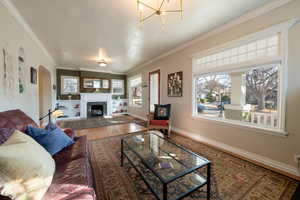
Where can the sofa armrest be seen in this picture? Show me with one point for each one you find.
(69, 132)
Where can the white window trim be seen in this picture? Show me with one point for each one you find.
(129, 91)
(120, 93)
(282, 29)
(62, 85)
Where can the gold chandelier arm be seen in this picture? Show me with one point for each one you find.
(145, 18)
(161, 5)
(172, 11)
(146, 5)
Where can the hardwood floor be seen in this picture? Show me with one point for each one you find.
(108, 131)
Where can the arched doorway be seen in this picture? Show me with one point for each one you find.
(45, 91)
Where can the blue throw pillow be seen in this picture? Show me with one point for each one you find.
(53, 141)
(50, 126)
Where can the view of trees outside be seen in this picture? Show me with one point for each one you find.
(214, 91)
(262, 88)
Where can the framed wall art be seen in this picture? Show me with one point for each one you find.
(175, 84)
(33, 75)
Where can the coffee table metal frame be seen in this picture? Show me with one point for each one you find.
(166, 182)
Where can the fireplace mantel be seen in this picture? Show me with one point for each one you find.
(95, 97)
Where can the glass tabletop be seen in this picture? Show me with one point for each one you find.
(164, 158)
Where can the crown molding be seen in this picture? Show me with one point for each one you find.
(242, 19)
(89, 70)
(16, 14)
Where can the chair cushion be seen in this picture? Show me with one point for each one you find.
(53, 141)
(159, 122)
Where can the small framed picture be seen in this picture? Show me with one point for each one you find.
(33, 75)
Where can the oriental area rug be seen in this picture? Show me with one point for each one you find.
(232, 178)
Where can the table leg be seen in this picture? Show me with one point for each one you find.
(122, 154)
(165, 192)
(208, 180)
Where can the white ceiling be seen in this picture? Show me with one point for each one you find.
(73, 30)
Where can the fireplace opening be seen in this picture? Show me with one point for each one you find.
(96, 109)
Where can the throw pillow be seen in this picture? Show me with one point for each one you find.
(26, 168)
(53, 141)
(50, 126)
(162, 111)
(5, 133)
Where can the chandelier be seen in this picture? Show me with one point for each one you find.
(149, 8)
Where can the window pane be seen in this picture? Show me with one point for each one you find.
(136, 91)
(212, 91)
(250, 96)
(118, 87)
(70, 85)
(262, 90)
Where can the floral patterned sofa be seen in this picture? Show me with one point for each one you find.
(73, 177)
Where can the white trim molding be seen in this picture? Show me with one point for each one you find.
(242, 19)
(245, 154)
(16, 14)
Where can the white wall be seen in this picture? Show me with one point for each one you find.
(278, 150)
(12, 37)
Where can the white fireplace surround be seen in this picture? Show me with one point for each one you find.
(95, 97)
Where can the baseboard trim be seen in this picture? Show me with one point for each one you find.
(262, 161)
(138, 116)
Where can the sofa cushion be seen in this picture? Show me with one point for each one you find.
(72, 180)
(15, 119)
(53, 141)
(26, 169)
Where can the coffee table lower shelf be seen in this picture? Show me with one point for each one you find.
(173, 190)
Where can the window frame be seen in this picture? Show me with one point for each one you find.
(282, 30)
(123, 87)
(62, 85)
(130, 92)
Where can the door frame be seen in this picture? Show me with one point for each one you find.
(149, 88)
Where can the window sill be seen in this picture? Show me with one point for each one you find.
(249, 127)
(135, 106)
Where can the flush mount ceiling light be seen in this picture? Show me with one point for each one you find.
(149, 8)
(102, 59)
(102, 63)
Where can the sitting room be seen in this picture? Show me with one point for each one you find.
(149, 99)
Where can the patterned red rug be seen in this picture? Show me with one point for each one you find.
(232, 178)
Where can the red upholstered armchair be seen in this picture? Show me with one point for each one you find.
(160, 119)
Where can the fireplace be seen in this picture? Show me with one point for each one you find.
(96, 109)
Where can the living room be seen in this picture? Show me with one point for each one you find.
(166, 99)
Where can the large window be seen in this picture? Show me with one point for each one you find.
(70, 85)
(242, 84)
(135, 91)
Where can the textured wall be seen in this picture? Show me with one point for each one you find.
(12, 37)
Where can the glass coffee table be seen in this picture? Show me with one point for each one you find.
(169, 170)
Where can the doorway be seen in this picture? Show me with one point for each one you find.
(154, 89)
(45, 91)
